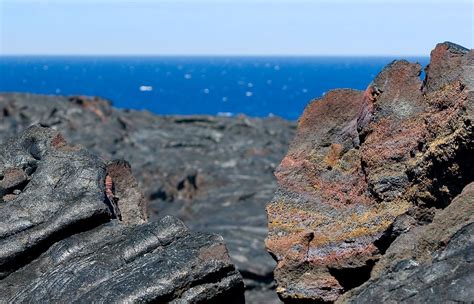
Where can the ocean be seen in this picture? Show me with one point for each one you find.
(255, 86)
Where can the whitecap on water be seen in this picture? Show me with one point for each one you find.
(145, 88)
(225, 114)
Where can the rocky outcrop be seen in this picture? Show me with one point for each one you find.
(73, 229)
(214, 173)
(368, 168)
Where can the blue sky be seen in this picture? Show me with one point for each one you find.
(226, 27)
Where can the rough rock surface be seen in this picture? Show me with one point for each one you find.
(68, 236)
(367, 167)
(428, 264)
(214, 173)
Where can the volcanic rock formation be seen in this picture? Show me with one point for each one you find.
(73, 229)
(368, 168)
(214, 173)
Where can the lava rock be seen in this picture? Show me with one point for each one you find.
(429, 264)
(66, 236)
(214, 173)
(64, 193)
(367, 167)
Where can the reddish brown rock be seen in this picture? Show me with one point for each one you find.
(12, 178)
(362, 161)
(126, 194)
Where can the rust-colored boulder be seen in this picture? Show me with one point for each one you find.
(125, 193)
(367, 166)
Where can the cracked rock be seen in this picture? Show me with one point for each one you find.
(59, 241)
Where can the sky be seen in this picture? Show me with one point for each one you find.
(227, 27)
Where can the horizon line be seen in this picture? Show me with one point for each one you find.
(215, 55)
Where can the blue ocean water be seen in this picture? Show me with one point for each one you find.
(256, 86)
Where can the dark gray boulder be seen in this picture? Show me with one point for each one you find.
(429, 264)
(62, 191)
(66, 236)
